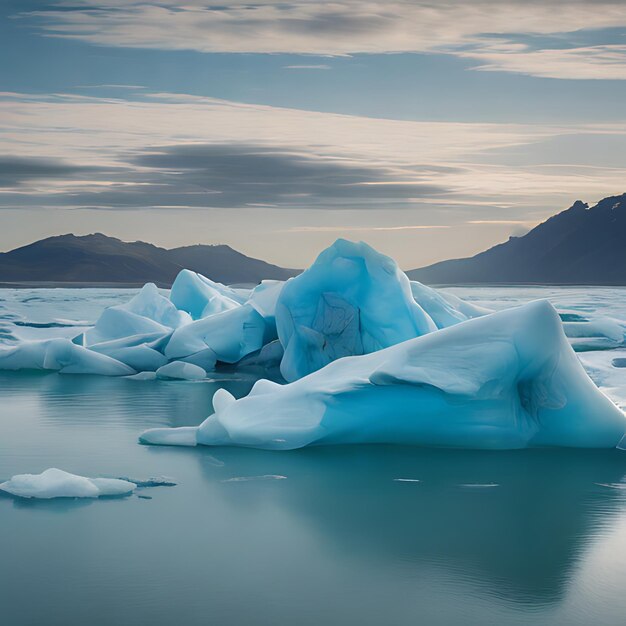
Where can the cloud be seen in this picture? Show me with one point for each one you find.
(307, 67)
(181, 151)
(16, 170)
(503, 222)
(362, 229)
(216, 175)
(347, 27)
(602, 62)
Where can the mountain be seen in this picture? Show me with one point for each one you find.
(582, 245)
(96, 258)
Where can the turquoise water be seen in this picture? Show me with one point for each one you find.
(344, 535)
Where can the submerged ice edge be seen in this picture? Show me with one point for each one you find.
(503, 381)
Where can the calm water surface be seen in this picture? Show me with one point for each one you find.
(351, 535)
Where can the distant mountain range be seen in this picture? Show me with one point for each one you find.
(98, 259)
(582, 245)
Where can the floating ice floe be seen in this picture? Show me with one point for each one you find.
(502, 381)
(55, 483)
(601, 333)
(607, 369)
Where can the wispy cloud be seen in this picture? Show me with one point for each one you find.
(360, 229)
(504, 222)
(307, 67)
(602, 62)
(329, 28)
(111, 86)
(176, 150)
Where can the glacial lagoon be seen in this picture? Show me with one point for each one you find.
(336, 535)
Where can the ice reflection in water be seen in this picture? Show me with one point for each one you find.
(340, 540)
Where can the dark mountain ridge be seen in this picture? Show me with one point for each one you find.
(579, 246)
(98, 259)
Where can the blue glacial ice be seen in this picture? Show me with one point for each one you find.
(148, 313)
(56, 483)
(445, 309)
(229, 335)
(179, 370)
(369, 357)
(501, 381)
(201, 297)
(60, 355)
(351, 301)
(141, 352)
(146, 333)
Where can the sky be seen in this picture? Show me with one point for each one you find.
(430, 129)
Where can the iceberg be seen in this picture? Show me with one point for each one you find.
(503, 381)
(201, 297)
(601, 333)
(445, 309)
(264, 298)
(55, 483)
(229, 335)
(141, 352)
(63, 356)
(177, 370)
(146, 313)
(351, 301)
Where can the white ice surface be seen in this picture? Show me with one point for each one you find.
(56, 483)
(200, 296)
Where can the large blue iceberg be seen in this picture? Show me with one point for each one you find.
(351, 301)
(503, 381)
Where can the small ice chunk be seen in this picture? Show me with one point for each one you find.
(478, 485)
(153, 481)
(56, 483)
(245, 479)
(178, 370)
